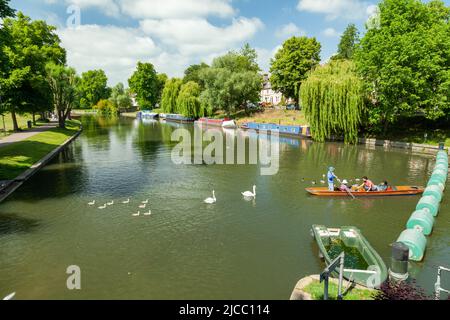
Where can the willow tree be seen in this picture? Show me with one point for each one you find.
(170, 95)
(188, 102)
(333, 101)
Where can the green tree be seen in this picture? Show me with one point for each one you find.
(405, 61)
(162, 79)
(63, 85)
(93, 87)
(5, 9)
(348, 43)
(333, 101)
(29, 47)
(120, 98)
(192, 73)
(232, 82)
(106, 108)
(188, 101)
(144, 83)
(292, 62)
(170, 95)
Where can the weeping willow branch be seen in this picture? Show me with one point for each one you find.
(332, 98)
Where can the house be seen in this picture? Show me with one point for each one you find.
(268, 95)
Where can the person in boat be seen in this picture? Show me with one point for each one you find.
(384, 186)
(344, 186)
(331, 177)
(367, 185)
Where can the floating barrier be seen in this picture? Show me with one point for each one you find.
(430, 203)
(415, 241)
(434, 191)
(422, 220)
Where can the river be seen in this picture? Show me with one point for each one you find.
(186, 249)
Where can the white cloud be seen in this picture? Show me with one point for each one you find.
(289, 30)
(161, 9)
(351, 9)
(198, 36)
(108, 7)
(113, 49)
(265, 56)
(330, 32)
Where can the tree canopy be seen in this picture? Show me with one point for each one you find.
(170, 95)
(333, 101)
(63, 85)
(348, 43)
(188, 101)
(145, 84)
(291, 64)
(232, 81)
(405, 61)
(29, 47)
(120, 98)
(5, 9)
(192, 73)
(93, 87)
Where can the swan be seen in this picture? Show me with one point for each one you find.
(142, 206)
(91, 203)
(126, 201)
(136, 214)
(313, 182)
(103, 206)
(250, 194)
(145, 202)
(211, 200)
(110, 203)
(149, 213)
(322, 181)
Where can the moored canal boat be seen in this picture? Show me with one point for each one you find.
(224, 123)
(147, 115)
(177, 118)
(393, 191)
(292, 131)
(362, 263)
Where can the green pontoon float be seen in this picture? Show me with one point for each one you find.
(362, 264)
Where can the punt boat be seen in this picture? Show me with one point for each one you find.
(393, 191)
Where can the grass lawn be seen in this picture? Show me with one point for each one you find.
(315, 289)
(21, 122)
(418, 136)
(283, 117)
(20, 156)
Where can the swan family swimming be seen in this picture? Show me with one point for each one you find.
(143, 205)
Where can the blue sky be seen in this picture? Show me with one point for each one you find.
(172, 34)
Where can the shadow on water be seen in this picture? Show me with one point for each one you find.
(12, 223)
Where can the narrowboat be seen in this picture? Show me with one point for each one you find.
(224, 123)
(392, 191)
(362, 264)
(177, 118)
(147, 115)
(292, 131)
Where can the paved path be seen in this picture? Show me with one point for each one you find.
(19, 136)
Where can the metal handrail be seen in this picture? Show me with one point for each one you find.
(437, 286)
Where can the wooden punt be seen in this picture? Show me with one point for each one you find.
(394, 191)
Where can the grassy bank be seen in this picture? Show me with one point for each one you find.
(20, 156)
(283, 117)
(315, 289)
(21, 122)
(412, 135)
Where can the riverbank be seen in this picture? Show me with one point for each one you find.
(20, 160)
(21, 122)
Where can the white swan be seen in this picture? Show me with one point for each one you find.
(136, 214)
(103, 206)
(110, 203)
(91, 203)
(145, 202)
(211, 200)
(249, 194)
(126, 201)
(149, 213)
(142, 206)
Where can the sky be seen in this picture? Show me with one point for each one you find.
(114, 35)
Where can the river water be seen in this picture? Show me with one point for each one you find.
(186, 249)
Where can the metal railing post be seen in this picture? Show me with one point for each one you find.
(341, 275)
